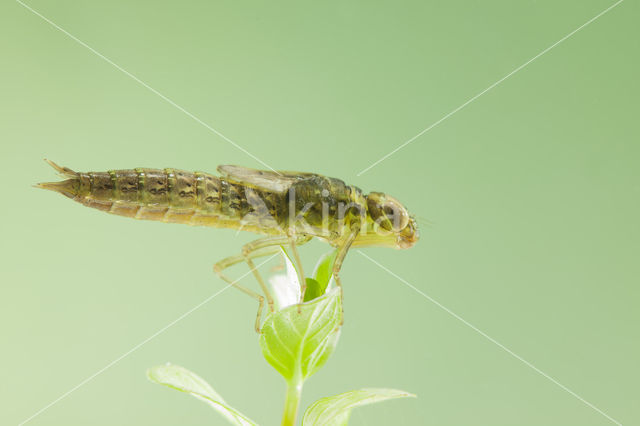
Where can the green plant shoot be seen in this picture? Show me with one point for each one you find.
(296, 340)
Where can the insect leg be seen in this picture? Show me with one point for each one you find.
(337, 264)
(301, 278)
(232, 260)
(260, 244)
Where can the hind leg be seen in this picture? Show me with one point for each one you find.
(267, 242)
(249, 250)
(233, 260)
(258, 248)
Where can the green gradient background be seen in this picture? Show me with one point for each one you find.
(533, 191)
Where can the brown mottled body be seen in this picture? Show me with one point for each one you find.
(269, 203)
(169, 195)
(289, 208)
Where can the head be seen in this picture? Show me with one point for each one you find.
(391, 223)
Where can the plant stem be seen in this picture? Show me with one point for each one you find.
(292, 401)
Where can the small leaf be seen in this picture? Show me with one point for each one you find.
(296, 343)
(324, 269)
(181, 379)
(335, 410)
(314, 290)
(285, 293)
(286, 287)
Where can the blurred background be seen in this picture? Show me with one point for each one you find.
(532, 193)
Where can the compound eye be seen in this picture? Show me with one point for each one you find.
(397, 217)
(387, 212)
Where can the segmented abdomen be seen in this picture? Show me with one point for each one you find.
(169, 195)
(172, 195)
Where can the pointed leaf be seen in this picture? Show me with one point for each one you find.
(284, 292)
(335, 410)
(314, 290)
(286, 287)
(324, 269)
(181, 379)
(296, 343)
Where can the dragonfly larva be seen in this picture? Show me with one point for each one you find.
(288, 208)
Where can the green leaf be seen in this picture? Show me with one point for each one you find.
(286, 288)
(317, 286)
(335, 410)
(314, 290)
(298, 343)
(181, 379)
(324, 268)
